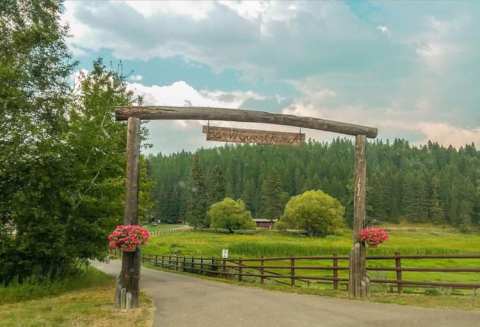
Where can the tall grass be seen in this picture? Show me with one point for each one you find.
(85, 278)
(270, 244)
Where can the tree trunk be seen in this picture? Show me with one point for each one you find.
(130, 275)
(358, 281)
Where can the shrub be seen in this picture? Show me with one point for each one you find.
(231, 215)
(315, 212)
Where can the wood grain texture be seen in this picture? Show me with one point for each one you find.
(358, 281)
(252, 136)
(360, 187)
(130, 275)
(241, 115)
(131, 184)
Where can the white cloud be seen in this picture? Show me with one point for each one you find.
(421, 80)
(180, 134)
(247, 9)
(254, 37)
(391, 122)
(442, 41)
(384, 29)
(197, 10)
(418, 120)
(237, 97)
(77, 30)
(181, 93)
(447, 134)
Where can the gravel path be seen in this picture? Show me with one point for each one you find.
(187, 301)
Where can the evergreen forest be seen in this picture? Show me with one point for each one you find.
(418, 184)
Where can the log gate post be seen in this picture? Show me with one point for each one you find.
(130, 273)
(358, 281)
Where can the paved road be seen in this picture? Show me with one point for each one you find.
(184, 301)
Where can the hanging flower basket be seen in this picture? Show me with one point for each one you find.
(128, 237)
(373, 236)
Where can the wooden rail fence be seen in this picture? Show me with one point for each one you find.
(331, 270)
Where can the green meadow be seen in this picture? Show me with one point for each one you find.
(405, 239)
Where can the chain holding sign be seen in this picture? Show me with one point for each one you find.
(239, 135)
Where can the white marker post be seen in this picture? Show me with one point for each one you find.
(225, 253)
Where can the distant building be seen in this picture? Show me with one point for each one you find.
(265, 223)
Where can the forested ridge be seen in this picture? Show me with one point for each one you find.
(425, 184)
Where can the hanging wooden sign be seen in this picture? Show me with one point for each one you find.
(239, 135)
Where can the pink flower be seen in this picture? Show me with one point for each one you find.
(128, 237)
(373, 236)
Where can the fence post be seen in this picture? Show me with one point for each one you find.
(398, 269)
(262, 270)
(163, 261)
(194, 270)
(212, 267)
(156, 260)
(183, 265)
(335, 272)
(176, 262)
(169, 262)
(292, 272)
(201, 265)
(224, 267)
(240, 269)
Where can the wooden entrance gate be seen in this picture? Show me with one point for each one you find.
(130, 274)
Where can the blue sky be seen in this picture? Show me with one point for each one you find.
(410, 68)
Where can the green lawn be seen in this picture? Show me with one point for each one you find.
(404, 239)
(83, 300)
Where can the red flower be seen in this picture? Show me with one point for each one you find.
(128, 237)
(373, 235)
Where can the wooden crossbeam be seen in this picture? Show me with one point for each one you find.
(241, 115)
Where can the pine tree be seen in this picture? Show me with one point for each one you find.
(249, 196)
(198, 205)
(415, 198)
(375, 199)
(464, 214)
(217, 188)
(313, 183)
(435, 210)
(476, 204)
(273, 199)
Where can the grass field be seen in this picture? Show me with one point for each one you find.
(83, 300)
(411, 240)
(405, 239)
